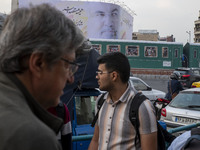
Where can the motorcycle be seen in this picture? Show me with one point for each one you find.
(160, 103)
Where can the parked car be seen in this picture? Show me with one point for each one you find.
(184, 109)
(140, 85)
(188, 76)
(195, 84)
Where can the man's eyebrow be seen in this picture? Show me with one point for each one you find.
(115, 10)
(100, 12)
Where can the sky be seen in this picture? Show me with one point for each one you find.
(168, 17)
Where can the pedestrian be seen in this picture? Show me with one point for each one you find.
(189, 140)
(113, 129)
(174, 85)
(64, 136)
(38, 45)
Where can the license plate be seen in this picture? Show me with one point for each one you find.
(185, 120)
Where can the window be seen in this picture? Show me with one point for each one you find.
(85, 109)
(196, 72)
(176, 53)
(165, 52)
(139, 85)
(97, 47)
(113, 48)
(132, 50)
(195, 53)
(150, 51)
(183, 100)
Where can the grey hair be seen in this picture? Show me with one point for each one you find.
(37, 29)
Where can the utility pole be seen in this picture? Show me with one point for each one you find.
(189, 33)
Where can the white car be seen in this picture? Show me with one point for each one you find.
(140, 85)
(183, 110)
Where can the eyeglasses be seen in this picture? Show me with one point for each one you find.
(73, 67)
(101, 72)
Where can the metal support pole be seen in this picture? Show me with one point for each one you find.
(189, 33)
(187, 127)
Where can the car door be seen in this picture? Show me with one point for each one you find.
(140, 85)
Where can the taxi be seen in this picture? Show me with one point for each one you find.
(195, 84)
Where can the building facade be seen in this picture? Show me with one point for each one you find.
(146, 35)
(151, 35)
(197, 30)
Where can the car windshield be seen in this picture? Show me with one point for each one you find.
(182, 72)
(186, 100)
(196, 72)
(139, 85)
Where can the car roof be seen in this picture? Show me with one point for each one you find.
(135, 78)
(184, 68)
(191, 90)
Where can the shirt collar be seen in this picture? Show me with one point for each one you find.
(130, 92)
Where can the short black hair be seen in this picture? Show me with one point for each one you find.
(116, 61)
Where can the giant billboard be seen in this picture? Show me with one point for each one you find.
(96, 19)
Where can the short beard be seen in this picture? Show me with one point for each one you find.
(107, 88)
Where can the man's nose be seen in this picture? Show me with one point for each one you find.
(107, 20)
(97, 76)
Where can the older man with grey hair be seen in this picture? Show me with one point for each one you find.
(38, 46)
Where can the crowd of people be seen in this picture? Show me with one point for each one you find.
(38, 47)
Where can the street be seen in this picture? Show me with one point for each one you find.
(155, 82)
(158, 84)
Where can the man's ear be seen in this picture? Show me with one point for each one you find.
(114, 75)
(36, 63)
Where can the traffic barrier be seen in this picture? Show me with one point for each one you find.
(182, 128)
(174, 130)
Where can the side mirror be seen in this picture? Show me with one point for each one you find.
(149, 88)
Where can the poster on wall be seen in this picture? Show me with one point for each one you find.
(113, 48)
(167, 64)
(96, 19)
(150, 51)
(132, 50)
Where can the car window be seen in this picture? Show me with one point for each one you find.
(196, 72)
(139, 85)
(186, 100)
(183, 72)
(85, 109)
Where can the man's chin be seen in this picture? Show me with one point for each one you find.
(102, 89)
(55, 102)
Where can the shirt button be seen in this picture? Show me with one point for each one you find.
(106, 141)
(108, 129)
(110, 117)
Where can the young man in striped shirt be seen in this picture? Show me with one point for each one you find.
(113, 129)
